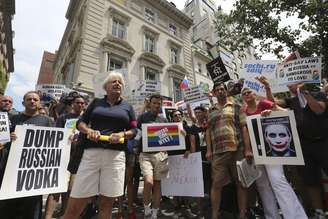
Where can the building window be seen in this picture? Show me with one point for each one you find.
(199, 68)
(174, 55)
(177, 92)
(149, 43)
(173, 29)
(118, 29)
(151, 74)
(149, 15)
(114, 63)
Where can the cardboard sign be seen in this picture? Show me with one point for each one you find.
(51, 91)
(4, 128)
(267, 68)
(162, 137)
(307, 70)
(185, 176)
(194, 94)
(274, 139)
(37, 162)
(146, 88)
(217, 70)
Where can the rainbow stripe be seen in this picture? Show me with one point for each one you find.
(159, 136)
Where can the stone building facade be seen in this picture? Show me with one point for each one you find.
(7, 10)
(150, 39)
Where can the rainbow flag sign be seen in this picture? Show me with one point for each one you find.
(162, 137)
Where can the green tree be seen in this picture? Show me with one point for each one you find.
(257, 23)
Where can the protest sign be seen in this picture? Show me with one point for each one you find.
(266, 68)
(147, 88)
(167, 112)
(162, 137)
(194, 94)
(50, 91)
(217, 70)
(274, 139)
(4, 128)
(306, 70)
(185, 176)
(37, 162)
(71, 125)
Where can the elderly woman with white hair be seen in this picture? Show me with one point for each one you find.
(102, 167)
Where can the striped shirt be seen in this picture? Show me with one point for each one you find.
(225, 124)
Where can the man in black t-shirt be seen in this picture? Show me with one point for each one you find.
(27, 207)
(311, 116)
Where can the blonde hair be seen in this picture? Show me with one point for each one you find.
(110, 76)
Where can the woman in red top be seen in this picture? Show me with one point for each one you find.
(272, 185)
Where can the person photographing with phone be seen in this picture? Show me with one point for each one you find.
(102, 167)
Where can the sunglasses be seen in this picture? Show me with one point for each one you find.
(176, 115)
(246, 93)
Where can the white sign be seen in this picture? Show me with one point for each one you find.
(4, 128)
(274, 139)
(146, 88)
(267, 68)
(51, 91)
(185, 176)
(37, 162)
(306, 70)
(194, 94)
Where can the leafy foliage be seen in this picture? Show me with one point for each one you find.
(260, 21)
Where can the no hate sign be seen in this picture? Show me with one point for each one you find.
(41, 167)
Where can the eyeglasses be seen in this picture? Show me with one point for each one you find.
(246, 93)
(176, 115)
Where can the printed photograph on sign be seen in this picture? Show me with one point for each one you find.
(274, 139)
(278, 137)
(162, 137)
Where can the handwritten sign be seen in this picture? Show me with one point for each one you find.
(4, 128)
(185, 176)
(37, 162)
(162, 137)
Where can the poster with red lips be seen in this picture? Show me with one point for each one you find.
(274, 139)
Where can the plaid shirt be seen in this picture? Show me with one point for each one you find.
(224, 124)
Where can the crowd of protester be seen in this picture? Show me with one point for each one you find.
(105, 173)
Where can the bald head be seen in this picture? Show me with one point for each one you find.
(6, 103)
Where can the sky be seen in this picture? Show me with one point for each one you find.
(39, 26)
